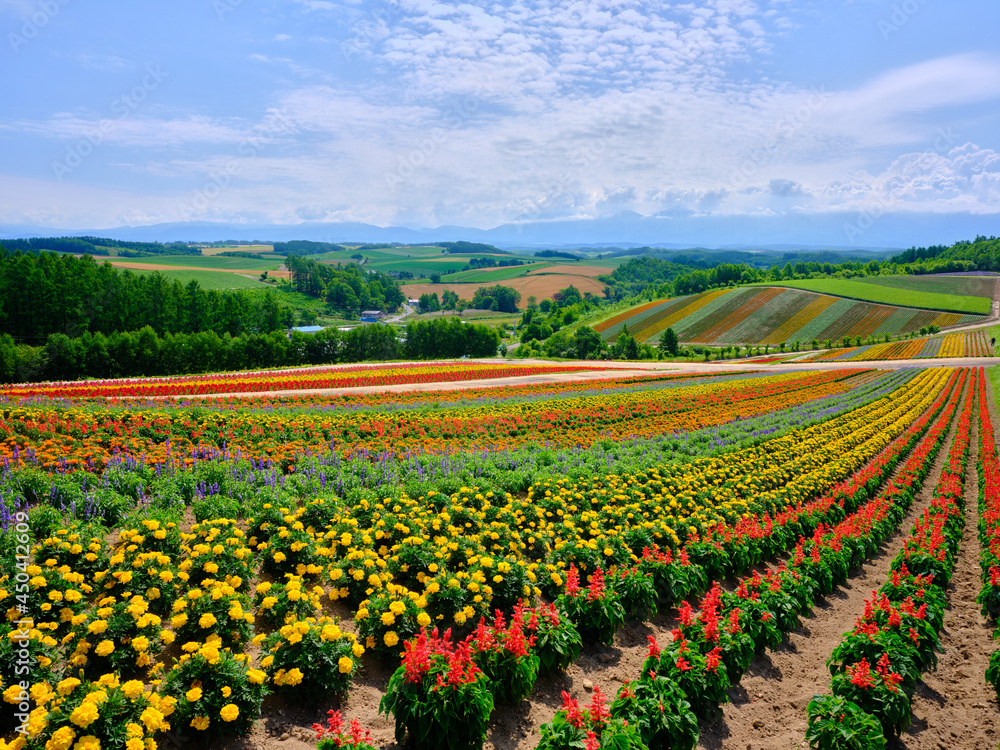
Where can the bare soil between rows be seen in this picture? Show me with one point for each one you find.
(954, 707)
(767, 710)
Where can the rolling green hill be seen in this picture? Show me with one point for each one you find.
(770, 315)
(903, 296)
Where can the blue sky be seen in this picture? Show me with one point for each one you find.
(420, 113)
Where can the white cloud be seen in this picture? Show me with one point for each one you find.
(477, 113)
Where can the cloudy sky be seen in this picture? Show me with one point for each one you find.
(419, 113)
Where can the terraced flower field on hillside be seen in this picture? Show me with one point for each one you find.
(195, 566)
(771, 315)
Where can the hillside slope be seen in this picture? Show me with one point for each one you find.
(770, 315)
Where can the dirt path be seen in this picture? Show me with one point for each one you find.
(767, 710)
(954, 707)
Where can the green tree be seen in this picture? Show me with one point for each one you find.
(588, 343)
(669, 342)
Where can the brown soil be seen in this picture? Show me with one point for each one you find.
(954, 707)
(767, 710)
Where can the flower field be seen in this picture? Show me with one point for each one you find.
(971, 344)
(771, 315)
(312, 378)
(184, 567)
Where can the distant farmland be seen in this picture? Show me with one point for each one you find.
(770, 315)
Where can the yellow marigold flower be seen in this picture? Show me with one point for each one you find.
(391, 638)
(200, 722)
(279, 557)
(153, 719)
(358, 650)
(226, 691)
(267, 661)
(229, 712)
(256, 676)
(62, 739)
(330, 632)
(345, 665)
(167, 636)
(423, 619)
(97, 627)
(41, 693)
(141, 643)
(179, 621)
(194, 694)
(132, 689)
(104, 648)
(207, 620)
(90, 742)
(14, 694)
(85, 714)
(293, 676)
(388, 618)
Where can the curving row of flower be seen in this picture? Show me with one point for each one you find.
(185, 607)
(876, 667)
(653, 711)
(89, 438)
(304, 379)
(712, 649)
(988, 467)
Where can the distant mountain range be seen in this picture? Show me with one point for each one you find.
(790, 231)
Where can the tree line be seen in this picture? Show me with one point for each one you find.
(650, 277)
(99, 246)
(345, 288)
(145, 353)
(47, 293)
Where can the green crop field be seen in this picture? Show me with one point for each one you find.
(209, 279)
(888, 295)
(969, 286)
(771, 315)
(489, 275)
(256, 249)
(213, 263)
